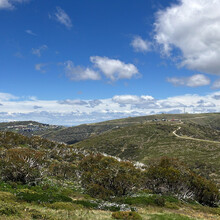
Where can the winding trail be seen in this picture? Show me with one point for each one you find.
(194, 139)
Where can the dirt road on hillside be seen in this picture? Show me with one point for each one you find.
(194, 139)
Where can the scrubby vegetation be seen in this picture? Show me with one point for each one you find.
(171, 177)
(199, 131)
(105, 176)
(75, 134)
(151, 140)
(126, 215)
(22, 165)
(41, 179)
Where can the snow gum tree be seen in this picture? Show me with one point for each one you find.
(22, 165)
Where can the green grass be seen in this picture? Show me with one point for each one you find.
(169, 217)
(11, 207)
(144, 200)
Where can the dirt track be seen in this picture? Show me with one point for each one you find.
(194, 139)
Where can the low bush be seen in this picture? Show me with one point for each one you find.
(126, 215)
(7, 197)
(111, 208)
(99, 191)
(144, 200)
(8, 209)
(35, 214)
(140, 200)
(86, 204)
(31, 196)
(171, 199)
(159, 200)
(171, 205)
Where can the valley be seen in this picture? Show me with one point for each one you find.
(168, 163)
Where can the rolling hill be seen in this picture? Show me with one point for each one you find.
(198, 147)
(75, 134)
(60, 191)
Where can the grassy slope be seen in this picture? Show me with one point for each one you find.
(16, 208)
(13, 208)
(149, 141)
(199, 131)
(75, 134)
(78, 133)
(211, 120)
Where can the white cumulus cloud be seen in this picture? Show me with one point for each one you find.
(114, 69)
(75, 111)
(140, 45)
(192, 27)
(7, 96)
(131, 99)
(77, 73)
(192, 81)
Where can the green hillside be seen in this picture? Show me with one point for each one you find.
(151, 140)
(41, 179)
(75, 134)
(179, 176)
(71, 135)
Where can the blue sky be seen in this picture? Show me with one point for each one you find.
(72, 62)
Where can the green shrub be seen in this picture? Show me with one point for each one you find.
(99, 191)
(8, 209)
(63, 170)
(86, 204)
(171, 205)
(171, 199)
(126, 215)
(206, 192)
(169, 177)
(140, 200)
(159, 200)
(105, 176)
(42, 197)
(144, 200)
(21, 165)
(35, 214)
(7, 197)
(111, 208)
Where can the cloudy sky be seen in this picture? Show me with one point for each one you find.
(73, 62)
